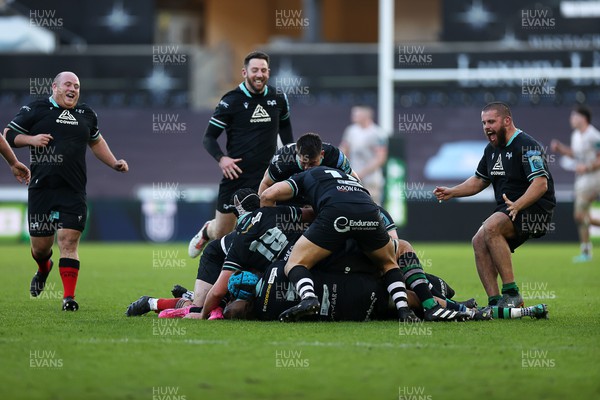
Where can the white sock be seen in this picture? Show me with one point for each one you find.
(516, 312)
(153, 303)
(586, 248)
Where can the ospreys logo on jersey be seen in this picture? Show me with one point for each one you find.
(260, 115)
(498, 168)
(66, 118)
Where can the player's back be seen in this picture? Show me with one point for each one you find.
(285, 161)
(324, 186)
(264, 235)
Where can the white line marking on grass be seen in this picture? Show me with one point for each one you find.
(201, 342)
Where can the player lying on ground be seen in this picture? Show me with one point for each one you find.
(214, 256)
(267, 233)
(357, 296)
(348, 289)
(212, 260)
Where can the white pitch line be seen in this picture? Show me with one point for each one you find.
(201, 342)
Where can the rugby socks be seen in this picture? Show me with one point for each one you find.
(205, 232)
(153, 304)
(586, 248)
(510, 289)
(511, 313)
(69, 271)
(493, 300)
(44, 264)
(415, 278)
(396, 288)
(164, 304)
(301, 277)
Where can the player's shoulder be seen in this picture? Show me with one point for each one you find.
(36, 105)
(328, 148)
(255, 220)
(489, 149)
(231, 97)
(525, 140)
(289, 148)
(272, 92)
(594, 132)
(85, 108)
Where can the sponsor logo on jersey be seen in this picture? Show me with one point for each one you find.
(498, 168)
(347, 188)
(272, 276)
(66, 118)
(260, 115)
(343, 224)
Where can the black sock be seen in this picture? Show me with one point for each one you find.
(301, 277)
(395, 287)
(415, 278)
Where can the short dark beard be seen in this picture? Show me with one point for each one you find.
(501, 137)
(253, 89)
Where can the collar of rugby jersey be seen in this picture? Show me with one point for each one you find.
(247, 92)
(53, 102)
(513, 137)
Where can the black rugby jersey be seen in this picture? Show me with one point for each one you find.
(213, 256)
(323, 186)
(251, 122)
(62, 162)
(511, 169)
(285, 163)
(264, 236)
(355, 296)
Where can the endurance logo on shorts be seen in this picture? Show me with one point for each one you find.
(343, 224)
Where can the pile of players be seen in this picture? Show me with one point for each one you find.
(352, 264)
(337, 254)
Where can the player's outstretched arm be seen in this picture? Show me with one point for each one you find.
(19, 170)
(216, 293)
(280, 191)
(102, 152)
(471, 186)
(558, 147)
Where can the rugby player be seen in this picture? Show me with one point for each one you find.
(515, 164)
(308, 151)
(252, 115)
(58, 131)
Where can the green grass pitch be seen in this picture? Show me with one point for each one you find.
(98, 353)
